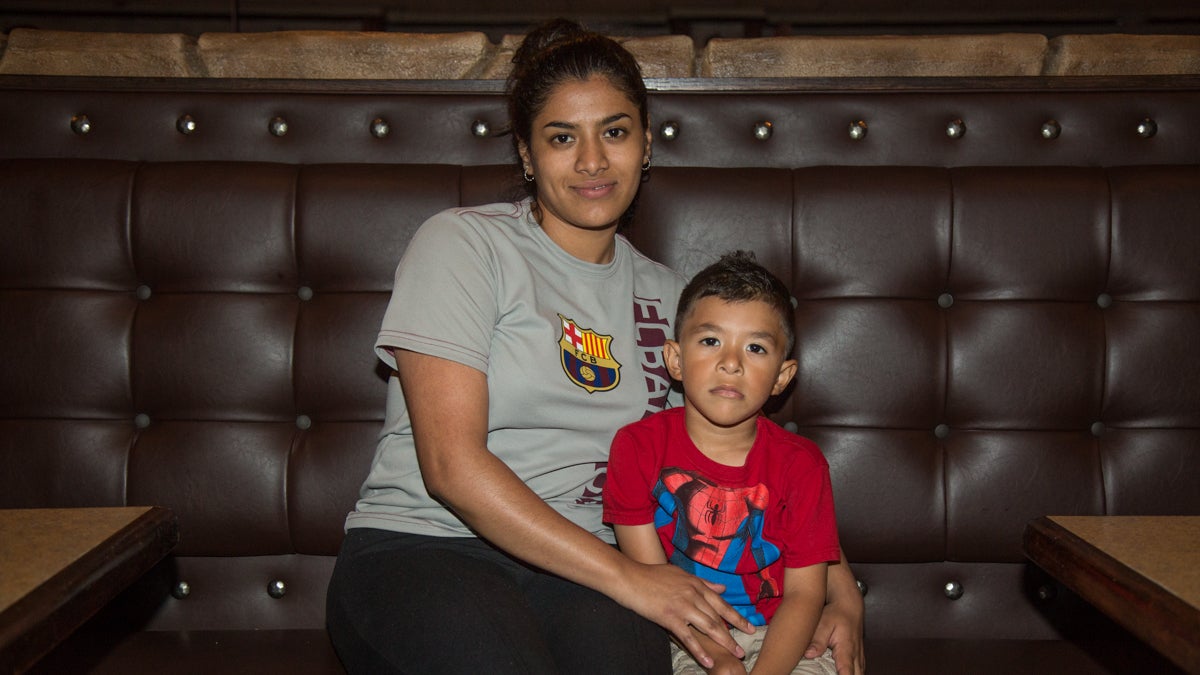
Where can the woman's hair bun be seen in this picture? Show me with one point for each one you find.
(544, 36)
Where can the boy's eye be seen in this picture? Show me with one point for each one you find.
(756, 348)
(710, 341)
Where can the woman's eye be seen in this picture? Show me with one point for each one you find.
(561, 139)
(615, 133)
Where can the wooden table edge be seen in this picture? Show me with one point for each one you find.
(1083, 567)
(36, 623)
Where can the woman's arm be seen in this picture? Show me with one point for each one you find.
(841, 625)
(795, 620)
(448, 405)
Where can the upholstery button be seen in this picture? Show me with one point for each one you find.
(858, 130)
(942, 431)
(956, 129)
(792, 427)
(1104, 301)
(1097, 429)
(1147, 128)
(763, 130)
(185, 125)
(278, 126)
(181, 590)
(380, 128)
(1051, 129)
(303, 422)
(80, 124)
(480, 129)
(276, 589)
(141, 420)
(304, 293)
(669, 130)
(953, 590)
(945, 300)
(1047, 592)
(142, 292)
(862, 586)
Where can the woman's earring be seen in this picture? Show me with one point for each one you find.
(528, 178)
(646, 165)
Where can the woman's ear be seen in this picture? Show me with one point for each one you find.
(673, 359)
(523, 153)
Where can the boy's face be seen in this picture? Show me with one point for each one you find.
(730, 357)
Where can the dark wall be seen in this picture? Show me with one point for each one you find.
(700, 19)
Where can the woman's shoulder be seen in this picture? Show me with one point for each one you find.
(647, 265)
(472, 226)
(479, 216)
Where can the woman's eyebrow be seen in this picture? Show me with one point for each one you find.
(555, 124)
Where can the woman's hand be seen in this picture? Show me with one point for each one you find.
(448, 404)
(724, 662)
(685, 605)
(841, 624)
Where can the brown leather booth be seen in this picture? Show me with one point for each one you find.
(998, 296)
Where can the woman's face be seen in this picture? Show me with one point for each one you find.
(586, 150)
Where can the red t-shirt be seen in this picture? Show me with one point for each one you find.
(736, 525)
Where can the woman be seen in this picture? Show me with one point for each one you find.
(515, 330)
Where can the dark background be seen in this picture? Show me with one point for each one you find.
(699, 19)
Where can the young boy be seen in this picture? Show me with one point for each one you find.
(721, 491)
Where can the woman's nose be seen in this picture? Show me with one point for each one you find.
(592, 157)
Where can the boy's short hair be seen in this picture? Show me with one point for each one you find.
(737, 277)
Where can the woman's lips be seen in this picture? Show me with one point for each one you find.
(594, 191)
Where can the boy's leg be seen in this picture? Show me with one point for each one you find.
(425, 605)
(822, 665)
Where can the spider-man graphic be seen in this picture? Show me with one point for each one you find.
(716, 533)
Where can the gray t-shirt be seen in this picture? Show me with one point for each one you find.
(572, 352)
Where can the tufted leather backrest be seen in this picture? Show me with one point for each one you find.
(188, 318)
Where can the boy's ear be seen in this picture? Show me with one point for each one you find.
(673, 360)
(787, 370)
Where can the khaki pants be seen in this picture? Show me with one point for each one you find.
(682, 662)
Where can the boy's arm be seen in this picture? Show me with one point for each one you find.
(795, 620)
(841, 624)
(641, 543)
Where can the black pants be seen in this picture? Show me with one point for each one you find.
(406, 603)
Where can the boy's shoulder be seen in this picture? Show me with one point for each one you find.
(793, 445)
(660, 421)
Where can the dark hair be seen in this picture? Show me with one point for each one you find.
(737, 277)
(558, 51)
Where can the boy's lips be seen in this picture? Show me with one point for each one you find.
(727, 391)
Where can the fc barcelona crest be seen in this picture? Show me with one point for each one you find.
(586, 357)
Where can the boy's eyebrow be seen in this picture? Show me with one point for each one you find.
(716, 328)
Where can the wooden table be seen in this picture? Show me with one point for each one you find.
(58, 567)
(1142, 571)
